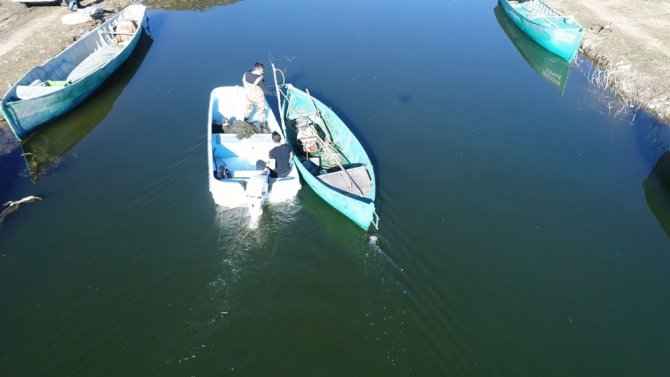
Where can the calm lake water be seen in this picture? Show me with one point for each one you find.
(524, 231)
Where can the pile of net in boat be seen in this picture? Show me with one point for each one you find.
(314, 142)
(331, 157)
(241, 128)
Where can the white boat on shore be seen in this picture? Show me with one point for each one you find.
(234, 179)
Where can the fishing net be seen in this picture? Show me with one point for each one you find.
(314, 142)
(331, 157)
(241, 128)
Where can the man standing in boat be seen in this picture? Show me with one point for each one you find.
(253, 88)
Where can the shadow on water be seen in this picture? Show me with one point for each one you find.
(347, 234)
(657, 191)
(654, 140)
(549, 66)
(10, 172)
(44, 149)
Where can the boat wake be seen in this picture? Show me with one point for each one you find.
(239, 240)
(241, 223)
(242, 251)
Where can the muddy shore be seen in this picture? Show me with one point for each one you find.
(29, 35)
(629, 40)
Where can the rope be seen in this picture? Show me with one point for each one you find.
(375, 220)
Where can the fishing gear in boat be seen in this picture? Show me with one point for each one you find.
(350, 191)
(329, 137)
(313, 143)
(307, 135)
(241, 128)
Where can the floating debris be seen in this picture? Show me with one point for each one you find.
(12, 206)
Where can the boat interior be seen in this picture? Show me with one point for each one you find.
(238, 157)
(81, 59)
(235, 155)
(536, 9)
(323, 158)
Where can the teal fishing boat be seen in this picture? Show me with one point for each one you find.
(549, 66)
(61, 83)
(45, 149)
(328, 155)
(557, 33)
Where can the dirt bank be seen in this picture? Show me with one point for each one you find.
(630, 40)
(627, 39)
(31, 35)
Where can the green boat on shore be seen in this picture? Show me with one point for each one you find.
(558, 33)
(328, 155)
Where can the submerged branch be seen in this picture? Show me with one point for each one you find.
(12, 206)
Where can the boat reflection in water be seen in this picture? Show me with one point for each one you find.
(551, 67)
(654, 140)
(43, 150)
(657, 191)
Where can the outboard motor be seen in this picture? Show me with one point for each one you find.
(306, 135)
(257, 193)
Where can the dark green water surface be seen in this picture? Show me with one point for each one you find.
(524, 231)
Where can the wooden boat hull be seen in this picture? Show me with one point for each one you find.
(559, 34)
(357, 201)
(25, 115)
(239, 156)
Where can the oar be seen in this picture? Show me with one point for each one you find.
(318, 113)
(329, 136)
(323, 144)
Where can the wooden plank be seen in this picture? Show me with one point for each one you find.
(343, 180)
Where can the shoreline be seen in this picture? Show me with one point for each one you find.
(627, 41)
(30, 35)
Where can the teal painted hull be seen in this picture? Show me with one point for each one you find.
(359, 209)
(44, 149)
(549, 66)
(559, 34)
(25, 116)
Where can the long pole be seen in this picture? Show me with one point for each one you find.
(324, 146)
(279, 103)
(329, 137)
